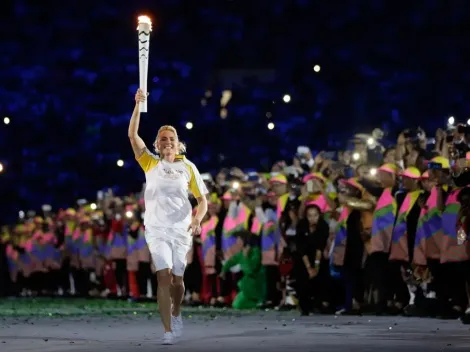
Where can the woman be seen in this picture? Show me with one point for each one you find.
(252, 286)
(168, 221)
(349, 245)
(311, 271)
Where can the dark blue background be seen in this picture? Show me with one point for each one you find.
(68, 73)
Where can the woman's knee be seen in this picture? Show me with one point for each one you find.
(164, 278)
(178, 281)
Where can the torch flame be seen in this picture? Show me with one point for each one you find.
(144, 20)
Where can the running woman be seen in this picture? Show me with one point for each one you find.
(168, 215)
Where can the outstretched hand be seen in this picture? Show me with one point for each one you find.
(195, 227)
(140, 96)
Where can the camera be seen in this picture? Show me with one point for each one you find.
(252, 177)
(414, 134)
(460, 150)
(463, 129)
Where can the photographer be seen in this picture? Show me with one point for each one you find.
(315, 190)
(306, 160)
(409, 144)
(458, 142)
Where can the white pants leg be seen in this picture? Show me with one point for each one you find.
(169, 248)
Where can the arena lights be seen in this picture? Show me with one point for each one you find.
(223, 113)
(120, 163)
(271, 126)
(316, 68)
(189, 125)
(356, 156)
(370, 141)
(6, 120)
(93, 206)
(468, 122)
(1, 167)
(286, 98)
(226, 96)
(451, 120)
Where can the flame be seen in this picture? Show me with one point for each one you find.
(144, 20)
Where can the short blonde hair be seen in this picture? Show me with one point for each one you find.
(181, 145)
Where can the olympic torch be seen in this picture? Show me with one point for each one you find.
(144, 28)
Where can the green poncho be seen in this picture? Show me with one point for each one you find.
(252, 287)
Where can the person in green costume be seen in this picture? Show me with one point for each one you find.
(252, 286)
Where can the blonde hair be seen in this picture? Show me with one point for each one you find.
(181, 145)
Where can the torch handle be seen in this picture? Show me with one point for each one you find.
(143, 76)
(144, 45)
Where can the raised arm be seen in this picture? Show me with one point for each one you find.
(138, 145)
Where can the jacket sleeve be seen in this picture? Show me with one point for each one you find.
(234, 260)
(299, 237)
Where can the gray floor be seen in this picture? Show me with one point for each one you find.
(271, 331)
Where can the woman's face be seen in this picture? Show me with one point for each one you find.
(313, 216)
(347, 158)
(167, 143)
(213, 209)
(409, 183)
(437, 176)
(227, 203)
(292, 215)
(390, 157)
(220, 178)
(279, 188)
(428, 184)
(362, 171)
(272, 201)
(386, 179)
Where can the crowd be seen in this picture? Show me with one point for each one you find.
(326, 233)
(68, 100)
(366, 229)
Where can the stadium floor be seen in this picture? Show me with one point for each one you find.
(81, 325)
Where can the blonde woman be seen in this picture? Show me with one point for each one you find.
(168, 221)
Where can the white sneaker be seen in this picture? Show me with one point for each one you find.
(168, 338)
(177, 325)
